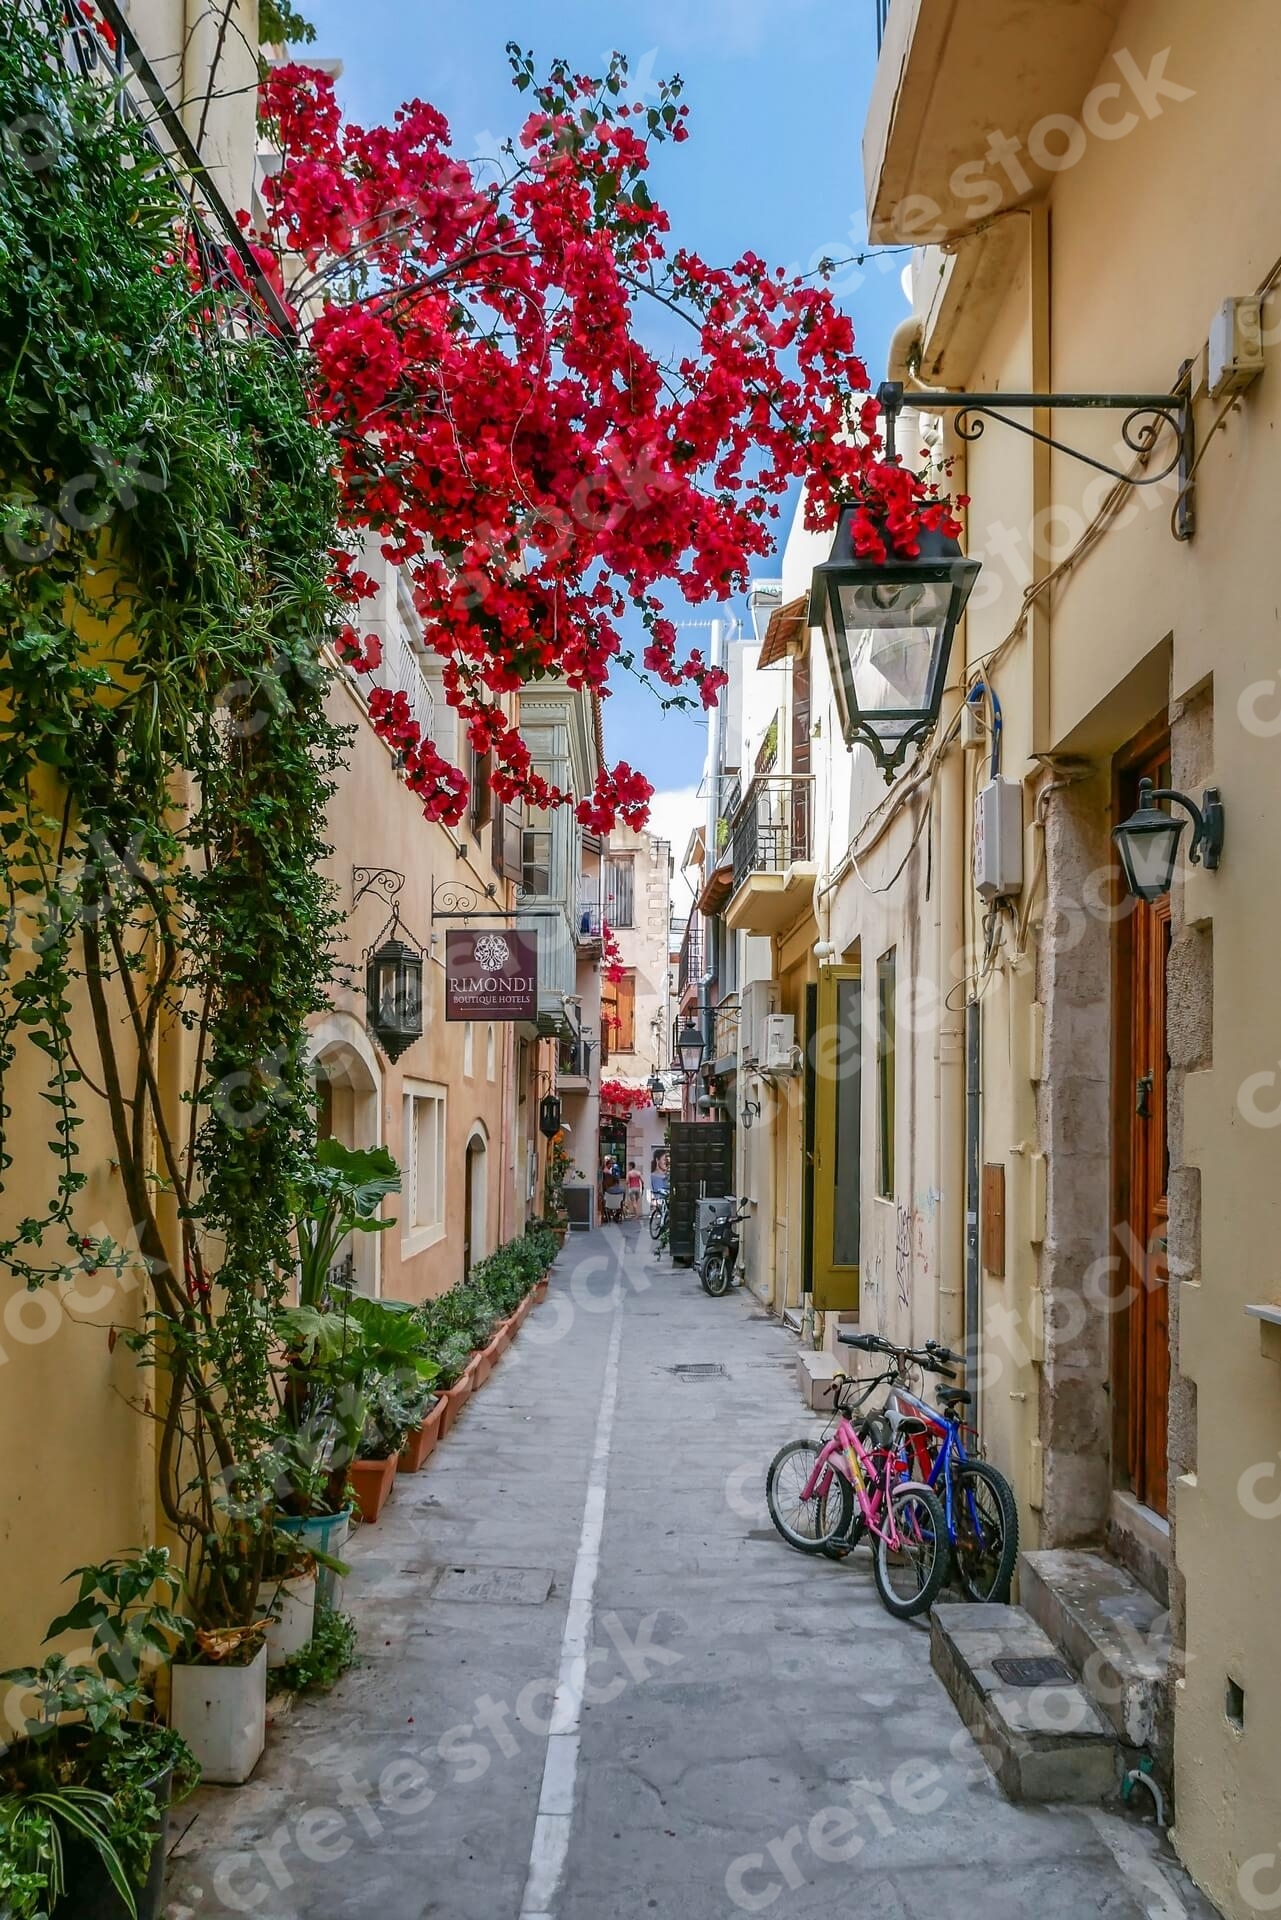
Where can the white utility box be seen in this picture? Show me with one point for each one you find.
(998, 839)
(1234, 355)
(779, 1052)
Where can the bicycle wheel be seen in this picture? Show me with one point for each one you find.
(717, 1273)
(806, 1525)
(657, 1221)
(908, 1576)
(986, 1519)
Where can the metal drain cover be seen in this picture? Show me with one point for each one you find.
(1040, 1670)
(499, 1586)
(698, 1370)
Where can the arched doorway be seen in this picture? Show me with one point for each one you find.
(348, 1084)
(476, 1199)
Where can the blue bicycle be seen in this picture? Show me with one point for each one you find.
(978, 1502)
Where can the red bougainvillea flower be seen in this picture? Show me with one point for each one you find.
(617, 1097)
(504, 433)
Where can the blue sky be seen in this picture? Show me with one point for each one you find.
(776, 90)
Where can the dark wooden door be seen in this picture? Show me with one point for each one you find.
(702, 1164)
(1142, 1370)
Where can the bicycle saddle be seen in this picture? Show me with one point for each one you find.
(954, 1397)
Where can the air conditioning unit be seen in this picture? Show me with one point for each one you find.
(779, 1052)
(757, 1001)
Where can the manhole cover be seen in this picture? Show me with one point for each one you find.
(698, 1370)
(1041, 1670)
(500, 1586)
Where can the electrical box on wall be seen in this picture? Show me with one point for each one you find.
(1234, 354)
(998, 839)
(780, 1044)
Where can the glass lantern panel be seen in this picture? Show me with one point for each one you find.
(1149, 859)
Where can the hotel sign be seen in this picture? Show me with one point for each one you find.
(491, 975)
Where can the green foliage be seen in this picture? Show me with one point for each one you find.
(32, 1855)
(340, 1194)
(129, 1604)
(279, 24)
(324, 1659)
(167, 512)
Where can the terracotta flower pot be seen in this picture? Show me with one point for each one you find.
(454, 1399)
(371, 1481)
(422, 1441)
(482, 1366)
(540, 1291)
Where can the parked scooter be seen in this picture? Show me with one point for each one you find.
(720, 1255)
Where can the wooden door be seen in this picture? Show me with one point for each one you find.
(702, 1168)
(838, 1147)
(1141, 1369)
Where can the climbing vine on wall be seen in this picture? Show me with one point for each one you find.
(167, 516)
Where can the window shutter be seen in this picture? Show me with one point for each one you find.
(626, 1029)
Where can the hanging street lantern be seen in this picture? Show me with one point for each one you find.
(549, 1120)
(1148, 842)
(889, 627)
(689, 1049)
(394, 992)
(657, 1090)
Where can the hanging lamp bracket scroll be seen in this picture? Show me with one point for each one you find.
(1147, 416)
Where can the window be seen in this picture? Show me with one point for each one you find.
(469, 1050)
(618, 1015)
(536, 862)
(620, 892)
(886, 980)
(491, 1052)
(424, 1167)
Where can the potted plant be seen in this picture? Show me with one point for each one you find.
(86, 1789)
(290, 1610)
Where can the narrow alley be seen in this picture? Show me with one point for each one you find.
(597, 1520)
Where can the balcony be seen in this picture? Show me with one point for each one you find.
(770, 843)
(690, 970)
(589, 933)
(574, 1066)
(725, 1024)
(951, 75)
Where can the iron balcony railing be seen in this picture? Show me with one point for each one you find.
(590, 928)
(773, 829)
(690, 971)
(245, 298)
(882, 16)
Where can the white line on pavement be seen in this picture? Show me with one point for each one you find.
(560, 1769)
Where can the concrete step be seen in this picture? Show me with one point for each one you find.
(1112, 1631)
(815, 1373)
(1043, 1741)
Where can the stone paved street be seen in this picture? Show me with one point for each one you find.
(734, 1690)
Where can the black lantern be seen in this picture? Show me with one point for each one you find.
(657, 1090)
(689, 1049)
(549, 1121)
(1148, 842)
(889, 627)
(394, 993)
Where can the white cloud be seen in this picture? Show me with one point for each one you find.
(673, 815)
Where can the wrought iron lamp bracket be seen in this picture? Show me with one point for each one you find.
(1207, 820)
(1146, 415)
(384, 881)
(455, 900)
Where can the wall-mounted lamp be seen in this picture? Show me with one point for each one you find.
(1148, 842)
(751, 1111)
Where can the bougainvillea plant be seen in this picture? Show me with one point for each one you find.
(611, 955)
(617, 1097)
(504, 432)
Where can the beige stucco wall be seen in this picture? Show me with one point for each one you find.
(1145, 236)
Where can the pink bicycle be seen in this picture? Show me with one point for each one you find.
(813, 1488)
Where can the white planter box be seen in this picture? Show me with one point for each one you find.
(221, 1712)
(294, 1604)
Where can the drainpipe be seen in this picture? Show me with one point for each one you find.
(950, 1133)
